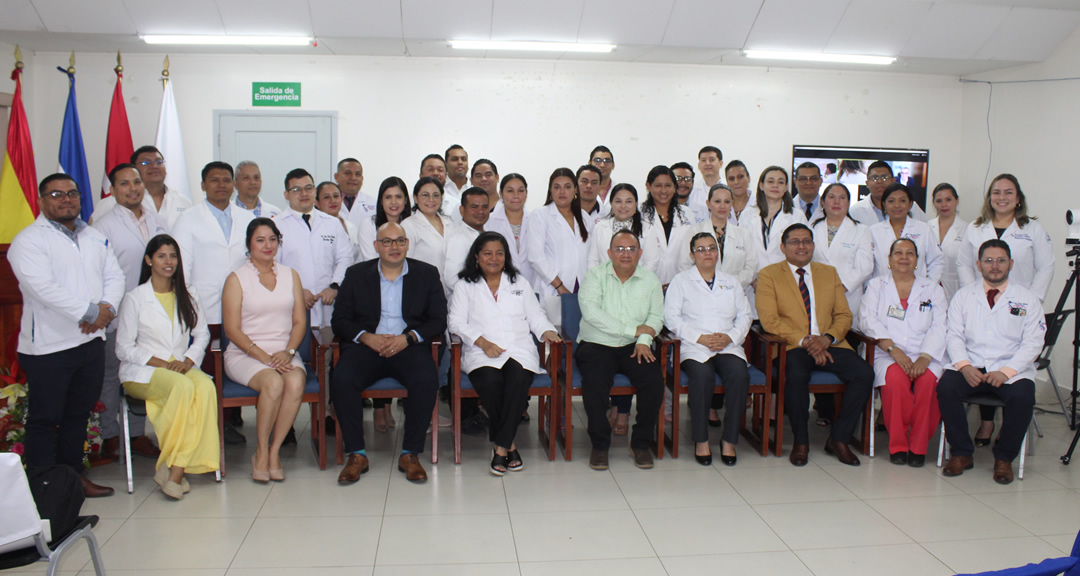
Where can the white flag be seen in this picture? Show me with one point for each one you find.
(171, 144)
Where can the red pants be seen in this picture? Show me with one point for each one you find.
(911, 415)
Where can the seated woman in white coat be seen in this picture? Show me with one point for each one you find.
(907, 315)
(708, 310)
(494, 310)
(391, 205)
(897, 201)
(844, 244)
(624, 215)
(161, 340)
(428, 227)
(510, 219)
(948, 230)
(737, 255)
(558, 234)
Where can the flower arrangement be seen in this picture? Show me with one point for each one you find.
(12, 414)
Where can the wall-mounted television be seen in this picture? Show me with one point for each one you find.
(848, 165)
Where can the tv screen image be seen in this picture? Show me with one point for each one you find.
(848, 164)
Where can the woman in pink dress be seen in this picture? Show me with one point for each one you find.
(264, 319)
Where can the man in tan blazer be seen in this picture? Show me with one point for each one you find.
(803, 302)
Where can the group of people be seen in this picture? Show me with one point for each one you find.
(132, 301)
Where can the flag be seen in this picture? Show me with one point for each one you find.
(72, 153)
(171, 144)
(18, 179)
(118, 148)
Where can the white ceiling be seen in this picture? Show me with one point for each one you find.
(929, 36)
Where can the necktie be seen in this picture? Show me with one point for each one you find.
(805, 293)
(307, 220)
(991, 294)
(809, 211)
(349, 201)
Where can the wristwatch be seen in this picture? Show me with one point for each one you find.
(410, 338)
(890, 349)
(291, 351)
(334, 286)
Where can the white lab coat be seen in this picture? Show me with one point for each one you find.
(600, 241)
(506, 322)
(172, 206)
(457, 250)
(365, 238)
(692, 309)
(145, 332)
(921, 331)
(451, 200)
(208, 256)
(1011, 335)
(671, 246)
(59, 280)
(699, 196)
(319, 255)
(950, 249)
(851, 253)
(266, 209)
(739, 258)
(425, 242)
(1032, 254)
(769, 253)
(520, 248)
(354, 238)
(865, 213)
(930, 264)
(556, 249)
(363, 206)
(748, 214)
(127, 242)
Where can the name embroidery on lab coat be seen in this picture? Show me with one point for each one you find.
(1018, 308)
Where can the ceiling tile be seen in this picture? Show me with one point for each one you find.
(187, 17)
(711, 23)
(19, 15)
(99, 17)
(639, 22)
(795, 25)
(363, 46)
(438, 19)
(265, 18)
(876, 27)
(683, 55)
(1047, 4)
(954, 30)
(551, 20)
(1029, 34)
(358, 19)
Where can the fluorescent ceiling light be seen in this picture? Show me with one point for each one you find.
(530, 46)
(819, 57)
(229, 40)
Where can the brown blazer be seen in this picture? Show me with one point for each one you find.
(782, 312)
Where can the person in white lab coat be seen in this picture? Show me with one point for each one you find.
(738, 178)
(948, 229)
(392, 205)
(328, 199)
(624, 215)
(428, 227)
(475, 210)
(350, 179)
(707, 309)
(711, 166)
(434, 166)
(737, 256)
(510, 219)
(211, 237)
(775, 211)
(167, 204)
(588, 178)
(495, 313)
(128, 226)
(485, 175)
(996, 330)
(870, 210)
(161, 342)
(671, 219)
(906, 315)
(457, 170)
(844, 244)
(684, 190)
(898, 202)
(248, 186)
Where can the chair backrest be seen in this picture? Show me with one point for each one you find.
(1054, 322)
(571, 316)
(17, 509)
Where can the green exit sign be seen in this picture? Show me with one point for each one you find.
(275, 94)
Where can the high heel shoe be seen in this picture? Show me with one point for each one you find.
(705, 460)
(277, 475)
(727, 460)
(980, 442)
(261, 476)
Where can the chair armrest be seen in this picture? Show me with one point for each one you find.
(215, 346)
(317, 337)
(870, 342)
(766, 337)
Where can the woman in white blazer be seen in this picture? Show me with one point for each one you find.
(673, 220)
(897, 201)
(161, 341)
(427, 227)
(906, 313)
(391, 205)
(328, 199)
(737, 256)
(510, 219)
(707, 309)
(738, 178)
(494, 310)
(775, 212)
(624, 215)
(948, 230)
(844, 244)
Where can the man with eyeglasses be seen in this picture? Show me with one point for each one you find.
(807, 188)
(486, 177)
(248, 186)
(996, 330)
(167, 204)
(805, 303)
(622, 311)
(684, 188)
(602, 158)
(711, 167)
(71, 285)
(869, 210)
(588, 181)
(388, 312)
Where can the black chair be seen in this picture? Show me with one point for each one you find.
(1054, 322)
(984, 399)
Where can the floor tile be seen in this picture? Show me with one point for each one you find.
(940, 518)
(786, 484)
(784, 563)
(313, 541)
(234, 498)
(897, 560)
(617, 567)
(323, 496)
(501, 569)
(980, 480)
(676, 489)
(568, 492)
(1063, 542)
(695, 531)
(121, 504)
(191, 572)
(445, 494)
(1042, 512)
(308, 571)
(445, 539)
(155, 543)
(992, 554)
(594, 535)
(830, 525)
(881, 479)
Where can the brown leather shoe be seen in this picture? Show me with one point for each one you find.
(410, 465)
(144, 446)
(800, 454)
(110, 448)
(843, 452)
(91, 490)
(1003, 473)
(642, 458)
(957, 464)
(598, 459)
(356, 465)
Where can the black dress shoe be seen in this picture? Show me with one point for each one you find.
(329, 424)
(899, 458)
(705, 460)
(728, 460)
(233, 436)
(235, 417)
(715, 423)
(916, 460)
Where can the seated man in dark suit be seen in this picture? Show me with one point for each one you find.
(386, 315)
(803, 302)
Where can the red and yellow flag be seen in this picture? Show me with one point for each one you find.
(18, 178)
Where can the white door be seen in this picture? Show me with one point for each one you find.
(278, 142)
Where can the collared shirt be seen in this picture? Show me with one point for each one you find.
(1006, 370)
(390, 319)
(803, 204)
(92, 311)
(612, 310)
(140, 221)
(223, 217)
(809, 286)
(257, 210)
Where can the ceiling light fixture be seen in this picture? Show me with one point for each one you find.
(820, 57)
(530, 46)
(229, 40)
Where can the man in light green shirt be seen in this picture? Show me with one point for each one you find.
(622, 310)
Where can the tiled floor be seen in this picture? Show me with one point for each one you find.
(761, 517)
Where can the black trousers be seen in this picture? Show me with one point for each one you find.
(359, 367)
(702, 376)
(1019, 398)
(61, 390)
(504, 393)
(598, 365)
(852, 370)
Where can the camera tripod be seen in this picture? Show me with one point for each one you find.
(1071, 287)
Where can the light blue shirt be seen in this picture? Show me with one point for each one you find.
(257, 211)
(390, 319)
(223, 217)
(813, 205)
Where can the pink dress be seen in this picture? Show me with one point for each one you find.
(266, 318)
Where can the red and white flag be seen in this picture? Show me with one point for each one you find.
(118, 147)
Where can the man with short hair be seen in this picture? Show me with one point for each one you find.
(457, 171)
(486, 176)
(869, 210)
(167, 204)
(389, 310)
(807, 186)
(711, 166)
(684, 186)
(996, 330)
(71, 285)
(350, 178)
(622, 311)
(805, 303)
(248, 185)
(434, 166)
(475, 210)
(602, 158)
(588, 182)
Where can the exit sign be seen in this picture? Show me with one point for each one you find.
(275, 94)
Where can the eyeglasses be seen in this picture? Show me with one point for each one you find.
(60, 194)
(684, 179)
(388, 242)
(805, 179)
(992, 261)
(308, 188)
(881, 178)
(795, 242)
(158, 162)
(625, 249)
(603, 160)
(706, 249)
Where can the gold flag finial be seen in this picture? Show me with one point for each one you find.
(18, 58)
(119, 64)
(71, 63)
(165, 68)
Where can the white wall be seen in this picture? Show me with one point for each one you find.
(529, 116)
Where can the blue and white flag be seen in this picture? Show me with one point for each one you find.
(72, 153)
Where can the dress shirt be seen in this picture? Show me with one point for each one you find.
(223, 217)
(815, 207)
(390, 295)
(611, 310)
(261, 208)
(142, 223)
(810, 286)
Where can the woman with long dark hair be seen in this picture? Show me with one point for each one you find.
(391, 205)
(624, 215)
(948, 229)
(161, 339)
(844, 244)
(510, 219)
(428, 227)
(559, 231)
(662, 209)
(328, 199)
(775, 211)
(897, 201)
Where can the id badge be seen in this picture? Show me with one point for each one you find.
(897, 312)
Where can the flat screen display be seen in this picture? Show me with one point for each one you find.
(848, 164)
